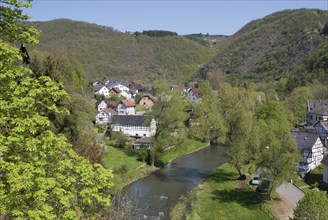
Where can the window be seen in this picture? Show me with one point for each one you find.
(144, 135)
(137, 135)
(311, 117)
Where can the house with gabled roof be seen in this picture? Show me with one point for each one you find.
(311, 148)
(193, 94)
(147, 100)
(101, 90)
(322, 130)
(114, 91)
(105, 116)
(142, 143)
(126, 107)
(134, 125)
(101, 105)
(317, 109)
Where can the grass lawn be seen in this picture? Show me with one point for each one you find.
(125, 166)
(221, 197)
(315, 176)
(186, 147)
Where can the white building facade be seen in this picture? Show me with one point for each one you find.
(134, 125)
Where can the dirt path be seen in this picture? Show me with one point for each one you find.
(281, 210)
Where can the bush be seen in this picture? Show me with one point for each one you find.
(119, 140)
(123, 169)
(143, 156)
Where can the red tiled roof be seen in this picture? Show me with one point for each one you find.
(143, 140)
(128, 103)
(195, 91)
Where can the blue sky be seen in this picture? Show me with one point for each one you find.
(183, 17)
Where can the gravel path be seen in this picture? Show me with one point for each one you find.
(290, 193)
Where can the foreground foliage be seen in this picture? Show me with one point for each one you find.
(312, 206)
(41, 176)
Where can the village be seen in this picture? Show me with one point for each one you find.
(126, 108)
(121, 108)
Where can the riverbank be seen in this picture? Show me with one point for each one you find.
(221, 196)
(127, 168)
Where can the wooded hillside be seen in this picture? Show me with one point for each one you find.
(274, 47)
(105, 52)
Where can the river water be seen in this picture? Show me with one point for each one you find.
(157, 193)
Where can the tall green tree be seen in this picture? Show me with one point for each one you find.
(170, 114)
(312, 206)
(296, 102)
(278, 149)
(207, 122)
(41, 176)
(239, 107)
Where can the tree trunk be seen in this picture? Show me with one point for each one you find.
(240, 171)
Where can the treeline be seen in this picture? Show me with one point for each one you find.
(156, 33)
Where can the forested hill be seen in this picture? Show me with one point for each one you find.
(281, 44)
(105, 52)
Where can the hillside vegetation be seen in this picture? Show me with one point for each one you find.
(272, 48)
(105, 52)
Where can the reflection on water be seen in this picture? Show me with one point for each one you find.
(159, 191)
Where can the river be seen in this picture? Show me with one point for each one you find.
(158, 192)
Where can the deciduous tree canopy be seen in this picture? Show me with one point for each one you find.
(41, 176)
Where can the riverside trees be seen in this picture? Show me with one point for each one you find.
(41, 176)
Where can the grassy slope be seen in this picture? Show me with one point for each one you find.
(187, 147)
(218, 198)
(126, 167)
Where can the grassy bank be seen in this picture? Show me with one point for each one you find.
(186, 147)
(223, 197)
(127, 168)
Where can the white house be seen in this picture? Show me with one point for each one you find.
(103, 91)
(126, 107)
(312, 150)
(121, 87)
(126, 94)
(193, 94)
(322, 129)
(134, 125)
(101, 105)
(105, 116)
(316, 110)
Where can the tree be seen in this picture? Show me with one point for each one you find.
(239, 107)
(278, 148)
(41, 176)
(325, 30)
(297, 102)
(207, 122)
(170, 115)
(312, 206)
